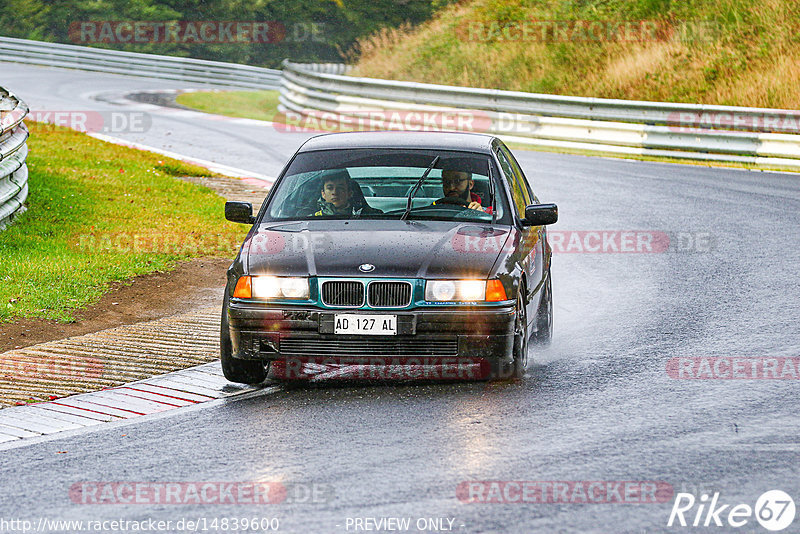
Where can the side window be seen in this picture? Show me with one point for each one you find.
(526, 188)
(516, 191)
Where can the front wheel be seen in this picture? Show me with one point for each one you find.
(516, 368)
(520, 338)
(236, 370)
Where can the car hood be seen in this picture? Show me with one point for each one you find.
(402, 249)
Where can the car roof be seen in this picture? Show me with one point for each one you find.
(463, 141)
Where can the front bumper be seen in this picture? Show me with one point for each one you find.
(271, 332)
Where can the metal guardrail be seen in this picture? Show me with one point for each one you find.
(328, 68)
(134, 64)
(734, 134)
(13, 151)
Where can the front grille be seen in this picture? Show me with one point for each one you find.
(389, 294)
(343, 293)
(369, 347)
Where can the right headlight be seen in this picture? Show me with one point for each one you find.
(271, 287)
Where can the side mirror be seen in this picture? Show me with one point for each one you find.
(239, 212)
(540, 214)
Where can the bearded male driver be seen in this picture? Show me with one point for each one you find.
(337, 197)
(459, 184)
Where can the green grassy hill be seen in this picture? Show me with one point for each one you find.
(735, 52)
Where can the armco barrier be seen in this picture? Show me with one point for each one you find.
(134, 64)
(733, 134)
(13, 151)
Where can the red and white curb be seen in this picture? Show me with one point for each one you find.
(187, 387)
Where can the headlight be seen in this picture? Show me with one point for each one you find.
(294, 288)
(271, 287)
(440, 290)
(455, 290)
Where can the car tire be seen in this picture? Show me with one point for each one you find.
(503, 370)
(520, 337)
(236, 370)
(544, 315)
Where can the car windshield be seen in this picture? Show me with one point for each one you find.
(376, 184)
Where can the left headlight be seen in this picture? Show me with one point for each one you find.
(271, 287)
(455, 290)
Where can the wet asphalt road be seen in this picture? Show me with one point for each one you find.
(254, 148)
(598, 405)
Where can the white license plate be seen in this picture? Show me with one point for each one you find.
(370, 325)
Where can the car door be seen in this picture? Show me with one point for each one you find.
(541, 261)
(529, 240)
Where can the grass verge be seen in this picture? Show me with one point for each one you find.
(100, 213)
(260, 105)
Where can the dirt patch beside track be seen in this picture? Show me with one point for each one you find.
(193, 284)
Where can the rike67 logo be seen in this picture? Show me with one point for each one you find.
(774, 510)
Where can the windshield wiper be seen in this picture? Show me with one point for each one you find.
(417, 186)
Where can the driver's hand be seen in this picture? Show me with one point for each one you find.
(475, 206)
